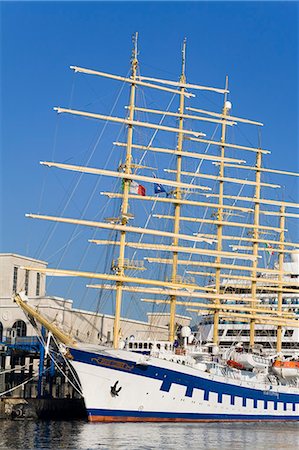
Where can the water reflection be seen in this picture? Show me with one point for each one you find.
(191, 436)
(25, 434)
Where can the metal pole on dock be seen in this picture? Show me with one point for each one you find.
(41, 366)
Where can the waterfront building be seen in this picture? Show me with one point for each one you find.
(82, 324)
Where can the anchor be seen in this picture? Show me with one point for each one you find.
(113, 389)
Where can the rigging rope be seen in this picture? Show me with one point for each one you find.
(15, 368)
(19, 385)
(80, 176)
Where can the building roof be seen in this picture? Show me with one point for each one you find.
(15, 255)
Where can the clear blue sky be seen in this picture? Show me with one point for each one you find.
(255, 43)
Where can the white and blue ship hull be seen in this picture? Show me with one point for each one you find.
(158, 390)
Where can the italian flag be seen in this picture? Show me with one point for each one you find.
(136, 188)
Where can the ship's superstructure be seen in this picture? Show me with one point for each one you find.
(230, 333)
(206, 219)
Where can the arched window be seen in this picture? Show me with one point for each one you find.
(20, 327)
(1, 332)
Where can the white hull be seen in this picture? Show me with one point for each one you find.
(159, 390)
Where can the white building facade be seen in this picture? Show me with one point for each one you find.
(83, 325)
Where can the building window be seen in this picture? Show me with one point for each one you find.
(37, 284)
(20, 327)
(26, 281)
(15, 280)
(109, 336)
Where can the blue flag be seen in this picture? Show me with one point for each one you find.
(158, 188)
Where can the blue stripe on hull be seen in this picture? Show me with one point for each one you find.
(155, 416)
(168, 376)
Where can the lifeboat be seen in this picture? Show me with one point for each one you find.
(248, 361)
(286, 369)
(235, 364)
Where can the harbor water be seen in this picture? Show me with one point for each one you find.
(29, 434)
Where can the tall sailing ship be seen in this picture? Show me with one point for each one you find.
(220, 269)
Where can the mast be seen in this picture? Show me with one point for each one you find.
(225, 112)
(255, 245)
(178, 195)
(125, 202)
(280, 276)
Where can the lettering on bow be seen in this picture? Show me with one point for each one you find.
(113, 364)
